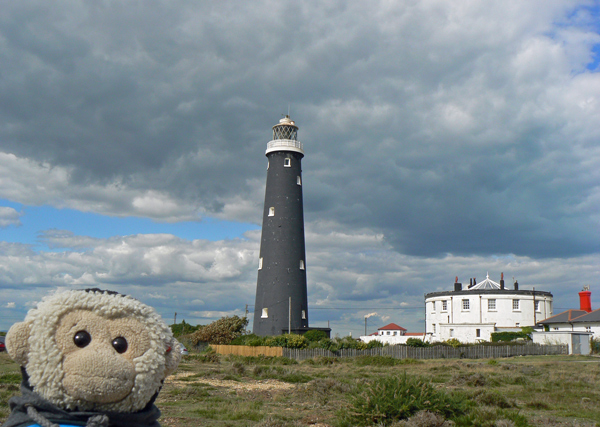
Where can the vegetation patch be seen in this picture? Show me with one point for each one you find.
(388, 399)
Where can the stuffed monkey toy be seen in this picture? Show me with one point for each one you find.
(90, 358)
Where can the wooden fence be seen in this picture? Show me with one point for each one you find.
(401, 351)
(244, 350)
(434, 352)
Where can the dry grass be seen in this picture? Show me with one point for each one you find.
(537, 390)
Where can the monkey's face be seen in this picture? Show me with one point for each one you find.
(98, 355)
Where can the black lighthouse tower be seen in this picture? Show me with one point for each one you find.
(281, 295)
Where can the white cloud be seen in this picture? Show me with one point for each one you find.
(9, 305)
(9, 216)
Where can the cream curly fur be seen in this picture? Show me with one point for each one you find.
(44, 360)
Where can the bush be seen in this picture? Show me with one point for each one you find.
(287, 341)
(510, 336)
(390, 399)
(453, 342)
(222, 331)
(183, 328)
(315, 335)
(416, 342)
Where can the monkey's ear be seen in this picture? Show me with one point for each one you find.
(172, 357)
(17, 342)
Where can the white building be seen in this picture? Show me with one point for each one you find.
(392, 334)
(583, 320)
(473, 313)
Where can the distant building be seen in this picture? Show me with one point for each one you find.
(392, 334)
(572, 327)
(583, 320)
(472, 314)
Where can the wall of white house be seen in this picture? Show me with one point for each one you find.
(465, 313)
(465, 332)
(593, 327)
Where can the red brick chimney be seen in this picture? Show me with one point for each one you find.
(585, 301)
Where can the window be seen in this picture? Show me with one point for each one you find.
(444, 305)
(556, 329)
(432, 305)
(515, 304)
(388, 332)
(491, 304)
(260, 261)
(537, 306)
(298, 180)
(265, 313)
(304, 314)
(287, 162)
(465, 304)
(433, 327)
(517, 324)
(451, 333)
(588, 329)
(394, 333)
(477, 333)
(271, 211)
(301, 264)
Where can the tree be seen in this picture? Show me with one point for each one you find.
(221, 331)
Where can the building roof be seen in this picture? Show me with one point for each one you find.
(391, 327)
(592, 316)
(486, 284)
(564, 317)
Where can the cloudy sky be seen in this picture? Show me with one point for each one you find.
(442, 139)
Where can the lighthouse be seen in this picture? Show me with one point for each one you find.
(281, 294)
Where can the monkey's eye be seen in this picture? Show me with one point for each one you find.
(82, 339)
(120, 344)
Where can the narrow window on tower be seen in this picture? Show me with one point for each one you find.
(268, 164)
(298, 180)
(287, 162)
(260, 261)
(303, 314)
(265, 313)
(301, 264)
(271, 211)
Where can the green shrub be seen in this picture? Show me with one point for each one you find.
(183, 328)
(315, 335)
(509, 336)
(416, 342)
(389, 399)
(222, 331)
(287, 340)
(453, 342)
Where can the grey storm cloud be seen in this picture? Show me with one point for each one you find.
(449, 127)
(455, 131)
